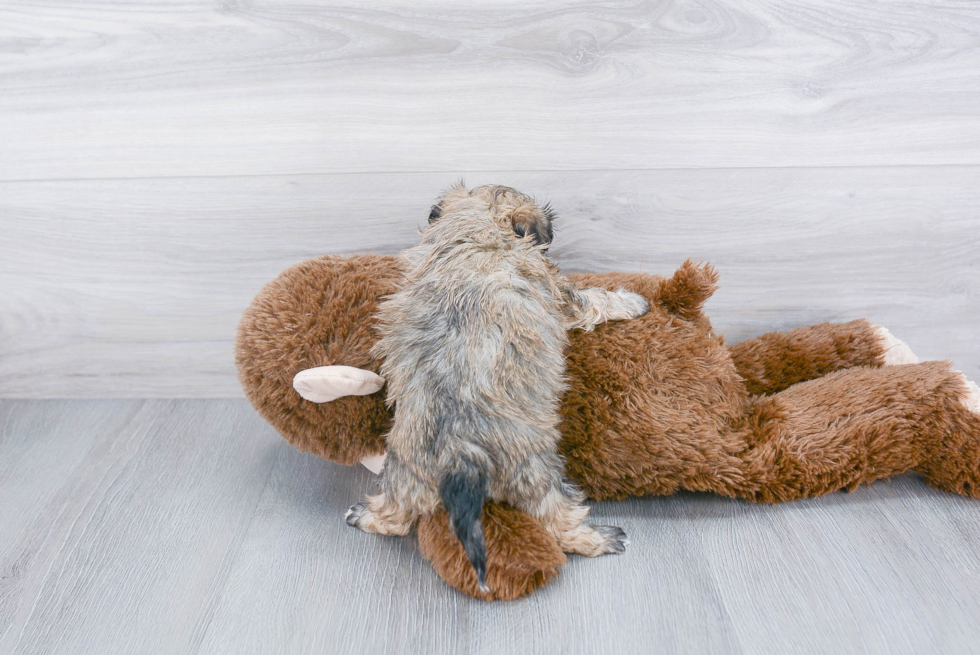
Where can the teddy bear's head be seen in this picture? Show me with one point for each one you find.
(319, 314)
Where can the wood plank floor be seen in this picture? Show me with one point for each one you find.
(189, 526)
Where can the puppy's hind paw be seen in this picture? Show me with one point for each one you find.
(354, 514)
(614, 539)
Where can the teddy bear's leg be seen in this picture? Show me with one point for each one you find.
(521, 555)
(778, 360)
(953, 464)
(855, 426)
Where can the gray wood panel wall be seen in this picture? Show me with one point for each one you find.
(159, 162)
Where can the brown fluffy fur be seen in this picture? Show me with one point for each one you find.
(521, 555)
(317, 313)
(777, 360)
(654, 405)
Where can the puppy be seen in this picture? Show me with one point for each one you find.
(473, 351)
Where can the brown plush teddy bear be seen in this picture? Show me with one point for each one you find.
(654, 405)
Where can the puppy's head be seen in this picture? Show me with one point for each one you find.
(510, 209)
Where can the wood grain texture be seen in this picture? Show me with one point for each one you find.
(133, 288)
(189, 527)
(121, 523)
(110, 89)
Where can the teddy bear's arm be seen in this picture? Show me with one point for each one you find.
(778, 360)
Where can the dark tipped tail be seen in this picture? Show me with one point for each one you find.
(463, 492)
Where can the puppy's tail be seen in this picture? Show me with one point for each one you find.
(463, 492)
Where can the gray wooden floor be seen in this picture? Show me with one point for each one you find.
(189, 526)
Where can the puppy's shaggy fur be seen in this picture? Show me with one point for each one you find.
(473, 349)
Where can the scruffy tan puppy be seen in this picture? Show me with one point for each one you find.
(473, 350)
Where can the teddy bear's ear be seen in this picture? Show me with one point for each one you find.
(325, 383)
(685, 293)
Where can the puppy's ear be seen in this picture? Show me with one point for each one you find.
(455, 192)
(530, 220)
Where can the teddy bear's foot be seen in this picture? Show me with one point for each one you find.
(952, 460)
(972, 402)
(895, 351)
(972, 399)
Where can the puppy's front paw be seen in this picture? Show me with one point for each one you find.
(633, 304)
